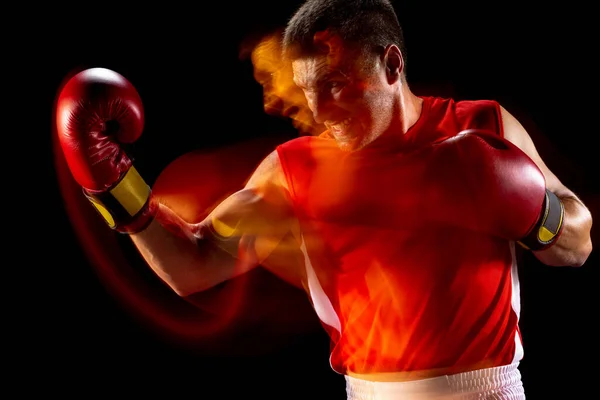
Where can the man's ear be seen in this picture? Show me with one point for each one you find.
(394, 62)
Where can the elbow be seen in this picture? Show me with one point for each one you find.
(580, 256)
(181, 291)
(175, 286)
(185, 289)
(583, 251)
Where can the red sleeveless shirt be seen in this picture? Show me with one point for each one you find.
(393, 294)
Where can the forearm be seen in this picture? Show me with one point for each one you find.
(574, 244)
(187, 262)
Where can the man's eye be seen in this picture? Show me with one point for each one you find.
(334, 85)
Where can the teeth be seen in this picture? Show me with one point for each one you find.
(339, 125)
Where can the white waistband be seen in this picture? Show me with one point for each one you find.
(498, 383)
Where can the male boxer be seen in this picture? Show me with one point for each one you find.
(406, 210)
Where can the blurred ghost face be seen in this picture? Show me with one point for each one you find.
(280, 95)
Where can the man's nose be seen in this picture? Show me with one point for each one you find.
(319, 105)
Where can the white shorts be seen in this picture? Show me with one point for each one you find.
(499, 383)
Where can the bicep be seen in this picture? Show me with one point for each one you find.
(260, 212)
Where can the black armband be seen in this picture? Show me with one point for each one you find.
(549, 226)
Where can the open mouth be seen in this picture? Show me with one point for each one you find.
(339, 128)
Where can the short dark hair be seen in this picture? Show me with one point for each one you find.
(368, 24)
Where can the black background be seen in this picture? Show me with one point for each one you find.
(72, 337)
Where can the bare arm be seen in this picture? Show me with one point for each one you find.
(234, 238)
(574, 245)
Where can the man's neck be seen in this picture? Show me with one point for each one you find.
(410, 108)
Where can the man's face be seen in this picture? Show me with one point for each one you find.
(352, 99)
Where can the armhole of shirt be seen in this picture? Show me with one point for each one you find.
(286, 174)
(499, 123)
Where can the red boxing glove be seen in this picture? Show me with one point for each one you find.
(98, 110)
(496, 188)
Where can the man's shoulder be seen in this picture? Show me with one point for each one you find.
(476, 103)
(459, 103)
(464, 108)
